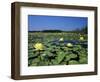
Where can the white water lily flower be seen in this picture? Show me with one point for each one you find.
(61, 39)
(69, 45)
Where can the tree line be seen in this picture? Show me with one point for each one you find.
(82, 30)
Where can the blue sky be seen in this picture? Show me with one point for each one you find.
(39, 23)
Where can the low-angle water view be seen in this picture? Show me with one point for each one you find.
(57, 40)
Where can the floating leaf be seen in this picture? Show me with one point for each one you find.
(54, 62)
(72, 62)
(72, 55)
(68, 58)
(60, 56)
(83, 60)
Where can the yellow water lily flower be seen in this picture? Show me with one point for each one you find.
(38, 46)
(69, 45)
(61, 39)
(81, 38)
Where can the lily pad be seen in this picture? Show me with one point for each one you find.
(60, 56)
(72, 62)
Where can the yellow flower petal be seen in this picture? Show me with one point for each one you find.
(69, 45)
(81, 38)
(38, 46)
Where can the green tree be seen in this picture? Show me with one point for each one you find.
(84, 30)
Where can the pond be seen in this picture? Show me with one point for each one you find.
(73, 42)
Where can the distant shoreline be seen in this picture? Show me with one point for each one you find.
(55, 31)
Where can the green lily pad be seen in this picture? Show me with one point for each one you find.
(60, 56)
(72, 62)
(83, 60)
